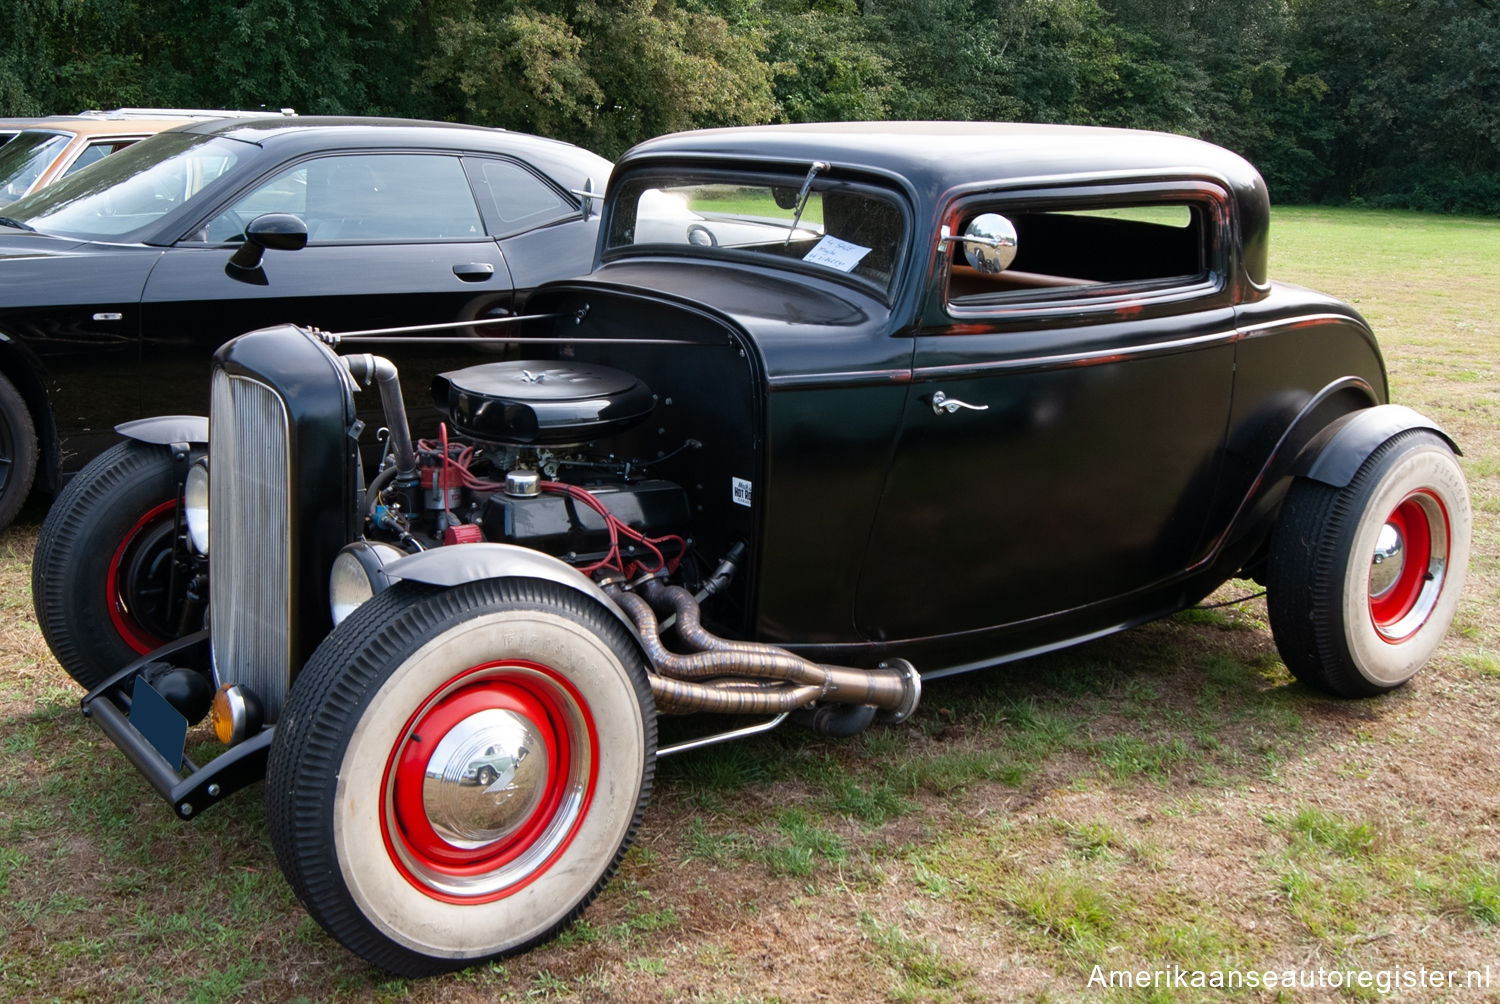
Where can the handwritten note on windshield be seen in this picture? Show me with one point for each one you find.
(831, 252)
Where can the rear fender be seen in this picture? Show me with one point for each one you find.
(1337, 452)
(1297, 425)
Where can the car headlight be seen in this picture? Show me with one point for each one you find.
(195, 505)
(358, 574)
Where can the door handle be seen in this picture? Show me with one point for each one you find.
(942, 404)
(474, 271)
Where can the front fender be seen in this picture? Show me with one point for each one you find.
(1336, 453)
(164, 430)
(453, 566)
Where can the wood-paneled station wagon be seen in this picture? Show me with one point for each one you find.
(839, 409)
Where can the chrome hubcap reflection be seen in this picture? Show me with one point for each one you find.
(1385, 566)
(485, 778)
(489, 781)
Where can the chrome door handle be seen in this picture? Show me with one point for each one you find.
(942, 404)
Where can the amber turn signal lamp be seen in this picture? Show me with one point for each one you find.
(236, 713)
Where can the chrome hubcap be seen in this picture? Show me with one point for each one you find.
(1385, 566)
(489, 782)
(485, 778)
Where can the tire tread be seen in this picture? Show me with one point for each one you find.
(88, 655)
(1305, 575)
(15, 413)
(320, 715)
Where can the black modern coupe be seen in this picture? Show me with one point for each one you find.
(116, 284)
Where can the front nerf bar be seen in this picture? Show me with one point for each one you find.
(111, 704)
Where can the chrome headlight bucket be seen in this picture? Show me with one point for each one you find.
(358, 574)
(195, 505)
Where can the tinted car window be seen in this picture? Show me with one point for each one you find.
(97, 151)
(24, 158)
(363, 198)
(520, 198)
(133, 189)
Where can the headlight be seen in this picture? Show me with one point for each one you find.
(195, 505)
(358, 574)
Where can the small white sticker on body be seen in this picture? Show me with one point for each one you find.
(834, 253)
(739, 491)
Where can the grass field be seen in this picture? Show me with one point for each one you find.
(1166, 797)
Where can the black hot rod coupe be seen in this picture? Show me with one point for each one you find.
(839, 409)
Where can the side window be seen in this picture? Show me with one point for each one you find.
(363, 198)
(518, 198)
(97, 151)
(1080, 250)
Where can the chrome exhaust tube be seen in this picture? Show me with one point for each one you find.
(894, 689)
(678, 697)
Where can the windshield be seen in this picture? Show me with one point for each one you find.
(130, 190)
(815, 223)
(23, 160)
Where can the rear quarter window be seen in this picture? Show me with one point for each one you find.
(1085, 251)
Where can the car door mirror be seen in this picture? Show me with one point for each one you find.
(270, 231)
(990, 243)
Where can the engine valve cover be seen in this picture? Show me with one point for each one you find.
(540, 403)
(564, 527)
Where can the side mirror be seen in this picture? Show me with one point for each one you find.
(990, 243)
(587, 195)
(272, 231)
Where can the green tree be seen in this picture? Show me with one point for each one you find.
(604, 75)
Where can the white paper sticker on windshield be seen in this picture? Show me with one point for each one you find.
(834, 253)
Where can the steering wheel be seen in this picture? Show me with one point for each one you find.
(235, 220)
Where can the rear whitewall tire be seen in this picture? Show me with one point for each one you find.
(334, 818)
(1335, 628)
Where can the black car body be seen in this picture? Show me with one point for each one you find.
(848, 407)
(114, 289)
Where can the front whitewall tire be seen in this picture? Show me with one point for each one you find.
(409, 662)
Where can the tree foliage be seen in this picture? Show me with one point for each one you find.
(1391, 102)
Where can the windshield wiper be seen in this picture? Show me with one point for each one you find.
(11, 221)
(817, 165)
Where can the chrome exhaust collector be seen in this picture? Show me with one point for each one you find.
(738, 677)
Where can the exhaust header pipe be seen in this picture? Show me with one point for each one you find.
(738, 677)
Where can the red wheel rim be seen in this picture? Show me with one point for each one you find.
(450, 835)
(1408, 567)
(118, 589)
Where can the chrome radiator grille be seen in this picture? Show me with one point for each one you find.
(249, 539)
